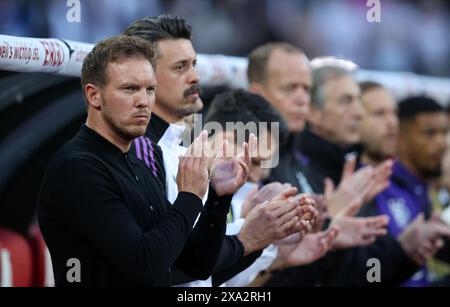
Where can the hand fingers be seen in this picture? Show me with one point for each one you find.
(305, 226)
(436, 217)
(244, 156)
(307, 213)
(349, 168)
(242, 172)
(332, 233)
(377, 189)
(363, 177)
(200, 154)
(272, 185)
(264, 203)
(280, 208)
(253, 144)
(305, 199)
(427, 246)
(329, 187)
(287, 217)
(323, 247)
(426, 253)
(189, 162)
(377, 221)
(384, 170)
(235, 171)
(190, 149)
(381, 180)
(283, 195)
(377, 232)
(418, 219)
(272, 189)
(369, 189)
(438, 243)
(353, 208)
(222, 153)
(286, 185)
(290, 227)
(439, 230)
(292, 239)
(257, 207)
(197, 147)
(327, 237)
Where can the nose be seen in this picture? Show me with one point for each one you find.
(357, 109)
(143, 99)
(302, 98)
(193, 77)
(392, 121)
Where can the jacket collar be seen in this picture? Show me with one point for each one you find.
(101, 146)
(329, 158)
(156, 128)
(406, 178)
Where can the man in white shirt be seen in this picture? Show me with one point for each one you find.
(177, 96)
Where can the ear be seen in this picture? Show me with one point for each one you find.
(93, 95)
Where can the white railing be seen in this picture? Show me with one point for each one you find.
(65, 57)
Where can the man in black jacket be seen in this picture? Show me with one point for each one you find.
(178, 96)
(101, 212)
(335, 118)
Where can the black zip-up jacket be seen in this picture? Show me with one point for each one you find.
(324, 158)
(102, 213)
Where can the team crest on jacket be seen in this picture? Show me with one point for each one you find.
(400, 211)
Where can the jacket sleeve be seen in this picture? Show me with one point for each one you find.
(230, 262)
(350, 267)
(221, 276)
(96, 209)
(199, 255)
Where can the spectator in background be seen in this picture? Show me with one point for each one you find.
(335, 118)
(422, 144)
(344, 269)
(419, 43)
(281, 74)
(379, 127)
(99, 19)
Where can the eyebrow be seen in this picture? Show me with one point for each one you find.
(184, 61)
(136, 84)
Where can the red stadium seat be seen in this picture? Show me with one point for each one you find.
(16, 263)
(42, 265)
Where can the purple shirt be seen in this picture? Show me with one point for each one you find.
(402, 201)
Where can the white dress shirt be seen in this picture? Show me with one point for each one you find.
(269, 253)
(171, 149)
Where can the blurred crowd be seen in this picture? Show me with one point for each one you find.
(411, 35)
